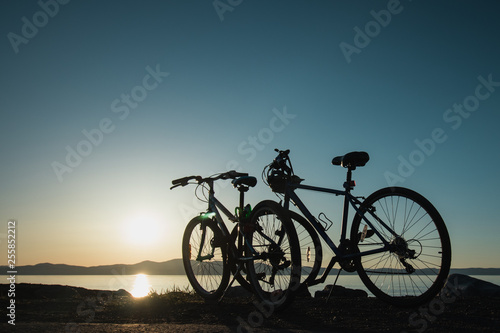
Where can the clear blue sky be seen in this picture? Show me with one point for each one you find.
(166, 89)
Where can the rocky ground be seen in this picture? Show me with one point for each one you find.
(40, 308)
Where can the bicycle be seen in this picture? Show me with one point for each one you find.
(211, 253)
(398, 242)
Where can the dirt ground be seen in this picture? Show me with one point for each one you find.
(103, 311)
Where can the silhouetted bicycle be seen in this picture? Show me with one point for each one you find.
(210, 252)
(398, 242)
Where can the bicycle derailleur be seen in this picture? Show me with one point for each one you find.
(403, 252)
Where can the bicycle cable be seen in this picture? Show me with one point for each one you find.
(205, 188)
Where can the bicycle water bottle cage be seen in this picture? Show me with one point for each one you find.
(352, 160)
(245, 214)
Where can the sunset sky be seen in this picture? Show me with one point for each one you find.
(103, 103)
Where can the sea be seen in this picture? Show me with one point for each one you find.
(141, 285)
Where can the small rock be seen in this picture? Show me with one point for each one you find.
(468, 287)
(303, 291)
(237, 291)
(339, 291)
(122, 292)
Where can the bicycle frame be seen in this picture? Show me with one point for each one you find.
(213, 207)
(349, 200)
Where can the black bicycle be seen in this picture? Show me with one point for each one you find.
(398, 242)
(261, 246)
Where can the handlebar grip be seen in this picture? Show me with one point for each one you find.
(283, 153)
(183, 181)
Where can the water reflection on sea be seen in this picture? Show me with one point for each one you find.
(141, 284)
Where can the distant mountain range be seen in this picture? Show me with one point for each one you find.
(170, 267)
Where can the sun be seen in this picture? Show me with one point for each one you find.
(143, 229)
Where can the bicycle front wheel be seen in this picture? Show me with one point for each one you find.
(415, 267)
(311, 251)
(205, 258)
(274, 272)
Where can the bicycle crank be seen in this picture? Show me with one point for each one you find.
(346, 247)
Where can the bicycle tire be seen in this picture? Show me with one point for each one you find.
(311, 250)
(208, 276)
(276, 276)
(420, 228)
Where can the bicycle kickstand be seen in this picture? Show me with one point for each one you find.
(334, 283)
(238, 269)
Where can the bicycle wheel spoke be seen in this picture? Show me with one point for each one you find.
(418, 258)
(271, 272)
(204, 263)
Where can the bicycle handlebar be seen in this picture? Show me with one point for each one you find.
(226, 175)
(184, 181)
(281, 159)
(282, 152)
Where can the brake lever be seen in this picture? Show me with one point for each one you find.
(176, 186)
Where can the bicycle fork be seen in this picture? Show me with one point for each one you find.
(199, 257)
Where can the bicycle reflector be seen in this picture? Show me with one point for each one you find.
(349, 185)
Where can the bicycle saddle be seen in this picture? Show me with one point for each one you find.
(245, 180)
(352, 160)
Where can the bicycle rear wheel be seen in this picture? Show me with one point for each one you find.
(274, 273)
(205, 259)
(415, 268)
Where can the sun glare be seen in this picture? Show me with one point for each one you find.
(142, 230)
(141, 286)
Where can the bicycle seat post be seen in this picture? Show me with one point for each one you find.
(349, 184)
(242, 189)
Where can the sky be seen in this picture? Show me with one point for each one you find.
(103, 104)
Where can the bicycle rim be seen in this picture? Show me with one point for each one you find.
(204, 258)
(275, 272)
(415, 269)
